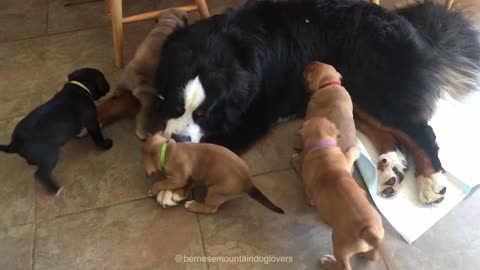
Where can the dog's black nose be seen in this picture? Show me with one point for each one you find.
(181, 138)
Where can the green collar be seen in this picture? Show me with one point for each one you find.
(163, 154)
(81, 85)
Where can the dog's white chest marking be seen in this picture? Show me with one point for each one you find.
(193, 95)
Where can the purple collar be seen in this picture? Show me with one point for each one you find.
(318, 145)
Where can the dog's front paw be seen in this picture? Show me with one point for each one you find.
(106, 144)
(432, 189)
(391, 172)
(328, 261)
(188, 203)
(168, 198)
(82, 133)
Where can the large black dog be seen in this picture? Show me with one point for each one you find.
(40, 134)
(229, 78)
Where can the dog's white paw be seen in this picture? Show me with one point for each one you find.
(164, 198)
(391, 172)
(431, 190)
(188, 203)
(82, 133)
(328, 261)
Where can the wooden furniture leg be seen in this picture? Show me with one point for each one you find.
(449, 3)
(107, 7)
(203, 9)
(74, 2)
(117, 28)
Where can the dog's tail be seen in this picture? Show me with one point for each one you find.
(454, 42)
(258, 196)
(374, 238)
(10, 148)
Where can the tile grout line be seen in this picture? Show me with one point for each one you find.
(55, 34)
(98, 208)
(202, 240)
(46, 19)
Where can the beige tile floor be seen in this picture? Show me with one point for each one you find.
(104, 219)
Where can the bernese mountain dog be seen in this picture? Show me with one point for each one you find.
(229, 78)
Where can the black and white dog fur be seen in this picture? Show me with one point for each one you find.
(229, 78)
(39, 136)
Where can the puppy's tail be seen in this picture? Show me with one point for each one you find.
(258, 196)
(10, 148)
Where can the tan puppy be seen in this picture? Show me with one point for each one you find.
(139, 73)
(331, 100)
(330, 187)
(225, 174)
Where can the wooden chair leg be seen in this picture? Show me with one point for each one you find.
(449, 3)
(107, 7)
(202, 8)
(117, 30)
(375, 2)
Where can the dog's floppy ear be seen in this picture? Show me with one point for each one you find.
(75, 73)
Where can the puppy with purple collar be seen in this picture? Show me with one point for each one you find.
(329, 186)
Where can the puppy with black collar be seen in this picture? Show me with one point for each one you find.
(39, 136)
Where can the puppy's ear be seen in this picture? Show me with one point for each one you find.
(73, 75)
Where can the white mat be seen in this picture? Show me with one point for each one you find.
(457, 129)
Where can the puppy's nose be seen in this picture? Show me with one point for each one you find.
(181, 138)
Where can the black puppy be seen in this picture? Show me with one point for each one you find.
(39, 136)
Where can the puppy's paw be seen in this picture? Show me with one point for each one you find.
(391, 172)
(328, 261)
(432, 189)
(106, 144)
(168, 198)
(82, 133)
(150, 193)
(188, 203)
(142, 134)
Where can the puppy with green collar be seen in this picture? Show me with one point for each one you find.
(225, 174)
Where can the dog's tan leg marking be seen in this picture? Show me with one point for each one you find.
(392, 164)
(146, 101)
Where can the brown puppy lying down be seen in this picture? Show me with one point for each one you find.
(117, 107)
(225, 174)
(331, 100)
(139, 73)
(326, 172)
